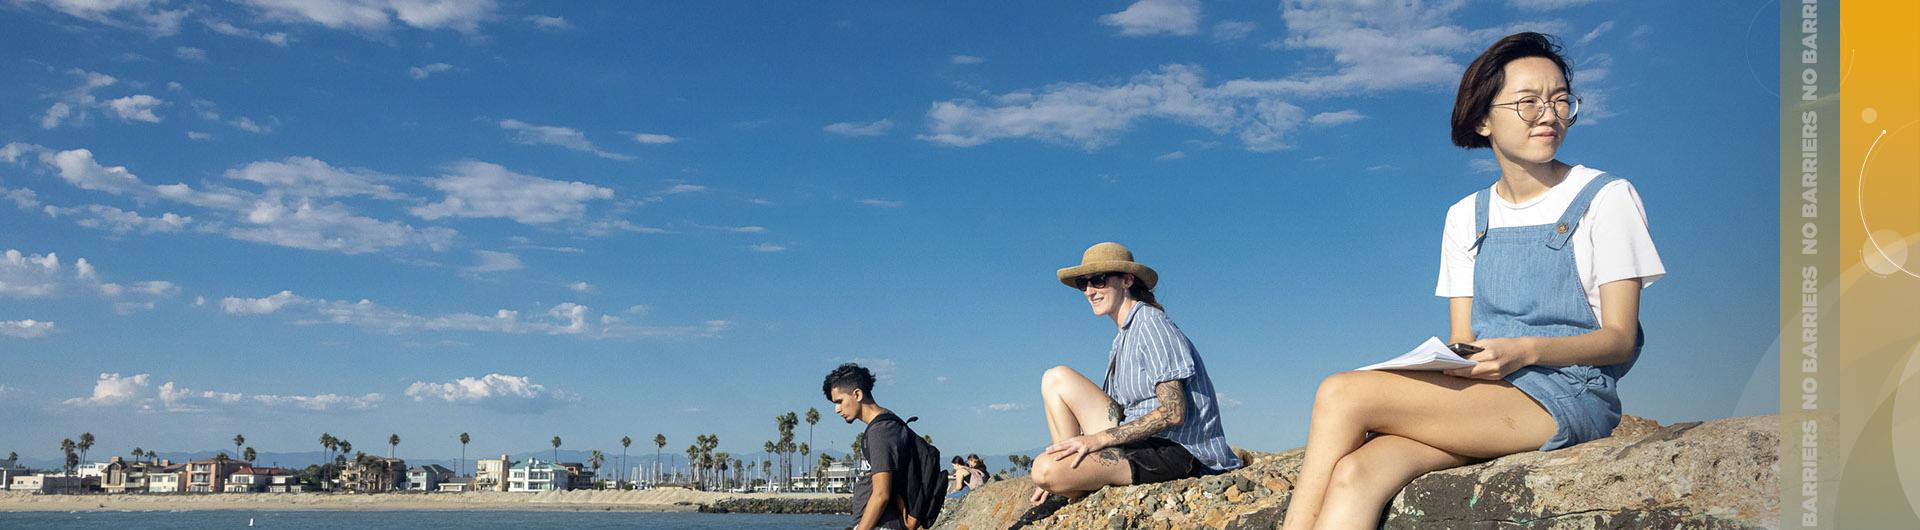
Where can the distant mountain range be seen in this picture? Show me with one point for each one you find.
(635, 458)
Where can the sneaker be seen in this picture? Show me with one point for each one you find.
(1053, 503)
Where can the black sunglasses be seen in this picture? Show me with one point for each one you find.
(1097, 280)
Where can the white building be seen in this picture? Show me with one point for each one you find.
(428, 477)
(10, 468)
(48, 484)
(167, 480)
(534, 475)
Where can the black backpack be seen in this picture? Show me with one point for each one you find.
(923, 485)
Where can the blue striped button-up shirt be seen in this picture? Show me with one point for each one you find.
(1150, 350)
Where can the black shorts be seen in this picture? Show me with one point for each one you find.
(1160, 460)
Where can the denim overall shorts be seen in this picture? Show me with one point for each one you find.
(1526, 283)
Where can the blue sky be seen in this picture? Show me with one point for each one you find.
(522, 220)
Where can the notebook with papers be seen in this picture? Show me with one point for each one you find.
(1431, 355)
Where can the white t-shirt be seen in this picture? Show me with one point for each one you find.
(1610, 244)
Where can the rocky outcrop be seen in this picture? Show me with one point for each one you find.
(833, 505)
(1721, 474)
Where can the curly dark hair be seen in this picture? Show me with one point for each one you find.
(846, 378)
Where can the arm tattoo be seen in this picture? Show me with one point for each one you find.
(1171, 412)
(1116, 412)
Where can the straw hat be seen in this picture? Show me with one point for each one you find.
(1109, 257)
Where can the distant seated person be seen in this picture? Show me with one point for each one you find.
(959, 486)
(1155, 417)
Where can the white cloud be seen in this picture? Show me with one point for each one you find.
(1546, 5)
(139, 15)
(549, 23)
(1154, 17)
(299, 176)
(767, 247)
(493, 261)
(288, 214)
(186, 53)
(1092, 116)
(25, 329)
(1482, 165)
(883, 203)
(966, 59)
(222, 27)
(653, 139)
(1008, 407)
(39, 276)
(581, 287)
(677, 189)
(115, 390)
(1226, 30)
(1176, 155)
(258, 306)
(1376, 47)
(748, 229)
(495, 390)
(532, 134)
(425, 71)
(197, 135)
(482, 190)
(247, 124)
(379, 15)
(103, 217)
(57, 112)
(873, 128)
(1597, 31)
(1336, 117)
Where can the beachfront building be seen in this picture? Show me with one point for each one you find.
(374, 474)
(129, 476)
(209, 476)
(491, 474)
(93, 470)
(534, 475)
(43, 483)
(579, 475)
(10, 468)
(251, 479)
(428, 477)
(835, 478)
(287, 483)
(457, 485)
(166, 478)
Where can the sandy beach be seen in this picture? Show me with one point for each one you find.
(658, 500)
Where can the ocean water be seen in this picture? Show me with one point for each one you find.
(417, 519)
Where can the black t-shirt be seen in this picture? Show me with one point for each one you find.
(887, 446)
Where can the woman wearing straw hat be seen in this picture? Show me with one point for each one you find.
(1542, 271)
(1154, 419)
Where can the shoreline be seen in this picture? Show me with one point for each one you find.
(658, 500)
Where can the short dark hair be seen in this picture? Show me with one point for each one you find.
(1487, 74)
(846, 378)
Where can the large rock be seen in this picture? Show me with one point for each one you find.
(1712, 475)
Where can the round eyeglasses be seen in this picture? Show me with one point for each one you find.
(1530, 107)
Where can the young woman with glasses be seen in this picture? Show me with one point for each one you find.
(1542, 271)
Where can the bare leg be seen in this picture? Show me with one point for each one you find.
(1463, 417)
(1364, 480)
(1076, 406)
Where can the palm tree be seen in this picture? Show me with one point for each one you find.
(463, 451)
(725, 461)
(66, 448)
(624, 442)
(249, 454)
(393, 442)
(237, 441)
(805, 450)
(222, 459)
(137, 452)
(819, 471)
(813, 417)
(86, 442)
(594, 460)
(659, 442)
(787, 422)
(556, 449)
(693, 459)
(328, 441)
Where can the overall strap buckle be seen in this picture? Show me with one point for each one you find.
(1570, 220)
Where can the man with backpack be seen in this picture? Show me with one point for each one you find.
(906, 487)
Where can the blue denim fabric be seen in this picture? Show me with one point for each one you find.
(1526, 284)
